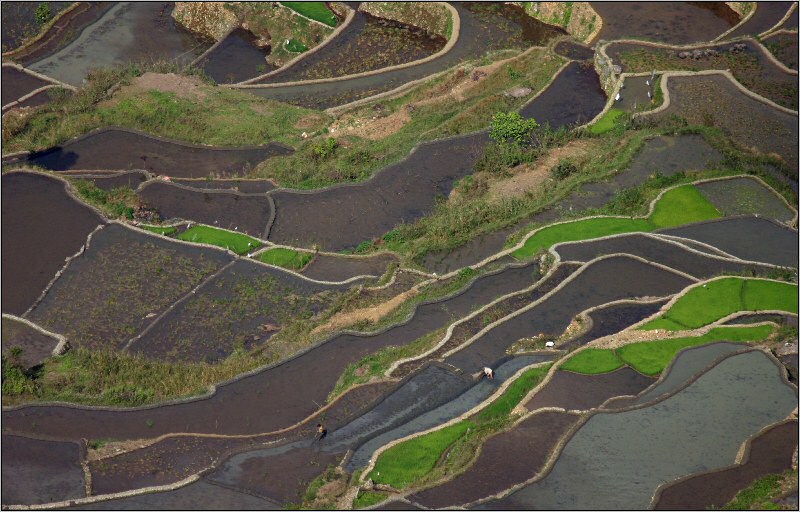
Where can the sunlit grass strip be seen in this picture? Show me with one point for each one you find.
(719, 298)
(606, 122)
(236, 242)
(286, 258)
(161, 230)
(317, 11)
(652, 357)
(681, 205)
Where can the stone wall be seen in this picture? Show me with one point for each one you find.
(433, 17)
(209, 19)
(577, 18)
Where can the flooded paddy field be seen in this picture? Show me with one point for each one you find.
(20, 21)
(767, 15)
(325, 267)
(100, 150)
(665, 22)
(784, 47)
(36, 346)
(612, 319)
(236, 59)
(19, 83)
(42, 225)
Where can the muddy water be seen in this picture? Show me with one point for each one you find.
(767, 15)
(483, 28)
(130, 179)
(19, 21)
(598, 284)
(268, 400)
(575, 391)
(453, 408)
(17, 84)
(743, 196)
(613, 319)
(667, 155)
(624, 457)
(633, 96)
(124, 149)
(666, 22)
(657, 251)
(35, 346)
(326, 267)
(748, 238)
(237, 58)
(41, 226)
(37, 471)
(242, 186)
(129, 31)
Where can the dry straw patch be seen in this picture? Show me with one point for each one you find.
(371, 314)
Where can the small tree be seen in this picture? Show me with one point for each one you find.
(43, 13)
(512, 128)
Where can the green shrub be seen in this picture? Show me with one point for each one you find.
(512, 128)
(43, 13)
(323, 150)
(563, 169)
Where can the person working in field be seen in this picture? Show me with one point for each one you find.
(488, 372)
(321, 432)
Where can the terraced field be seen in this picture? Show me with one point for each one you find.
(496, 257)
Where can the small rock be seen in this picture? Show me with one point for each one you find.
(477, 75)
(791, 348)
(696, 54)
(519, 92)
(616, 69)
(683, 55)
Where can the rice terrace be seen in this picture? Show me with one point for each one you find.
(399, 255)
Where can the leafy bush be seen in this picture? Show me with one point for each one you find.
(511, 127)
(43, 13)
(325, 149)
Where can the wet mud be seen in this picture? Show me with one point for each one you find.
(17, 84)
(714, 100)
(667, 155)
(226, 210)
(634, 95)
(325, 267)
(236, 59)
(270, 399)
(767, 15)
(124, 149)
(120, 284)
(666, 22)
(573, 50)
(483, 28)
(625, 456)
(453, 408)
(250, 303)
(574, 391)
(19, 21)
(598, 284)
(41, 227)
(506, 459)
(784, 47)
(367, 44)
(771, 452)
(129, 31)
(611, 320)
(36, 471)
(657, 251)
(743, 196)
(36, 347)
(343, 216)
(41, 98)
(748, 238)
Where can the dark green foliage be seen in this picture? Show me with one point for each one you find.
(563, 169)
(512, 128)
(43, 13)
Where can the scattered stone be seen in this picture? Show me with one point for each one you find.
(696, 54)
(684, 55)
(789, 348)
(616, 69)
(519, 92)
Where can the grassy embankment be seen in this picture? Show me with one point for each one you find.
(236, 242)
(316, 11)
(678, 206)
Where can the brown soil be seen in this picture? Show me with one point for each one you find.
(375, 128)
(529, 177)
(371, 314)
(307, 122)
(183, 87)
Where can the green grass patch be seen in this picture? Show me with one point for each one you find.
(295, 46)
(716, 299)
(317, 11)
(652, 357)
(286, 258)
(678, 206)
(759, 494)
(114, 203)
(405, 463)
(165, 230)
(607, 122)
(765, 295)
(592, 361)
(236, 242)
(503, 406)
(682, 205)
(368, 498)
